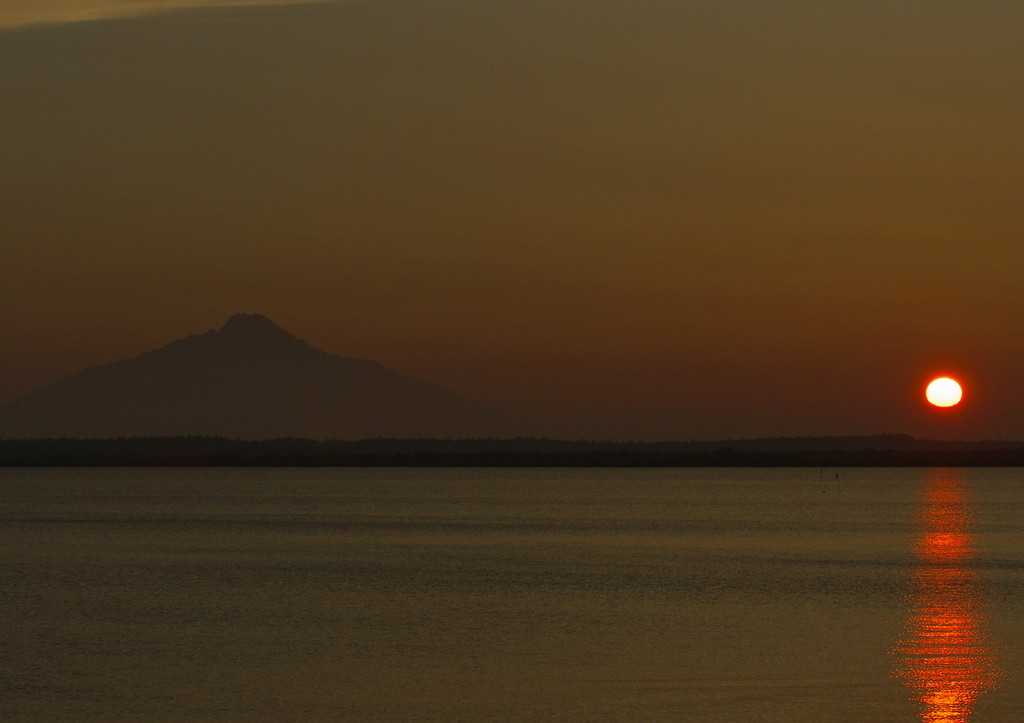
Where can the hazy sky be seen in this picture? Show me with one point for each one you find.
(635, 218)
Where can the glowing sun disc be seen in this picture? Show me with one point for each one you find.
(944, 392)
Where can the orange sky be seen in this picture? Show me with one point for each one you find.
(632, 219)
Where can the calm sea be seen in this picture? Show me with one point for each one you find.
(576, 595)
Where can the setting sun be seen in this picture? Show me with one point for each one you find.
(944, 392)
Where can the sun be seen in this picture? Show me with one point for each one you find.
(944, 392)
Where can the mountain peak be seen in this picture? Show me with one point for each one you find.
(250, 322)
(253, 328)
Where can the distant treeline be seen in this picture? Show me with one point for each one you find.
(876, 451)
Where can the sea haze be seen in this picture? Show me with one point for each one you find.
(411, 594)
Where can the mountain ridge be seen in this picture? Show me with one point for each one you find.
(249, 379)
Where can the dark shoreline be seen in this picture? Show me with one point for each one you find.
(879, 451)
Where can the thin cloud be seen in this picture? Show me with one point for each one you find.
(19, 13)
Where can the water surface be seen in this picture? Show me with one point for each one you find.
(327, 594)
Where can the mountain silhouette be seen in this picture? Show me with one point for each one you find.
(250, 379)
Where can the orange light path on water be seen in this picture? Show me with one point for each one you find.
(945, 657)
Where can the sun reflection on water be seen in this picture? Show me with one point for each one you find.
(945, 657)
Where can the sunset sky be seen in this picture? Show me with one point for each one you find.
(632, 219)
